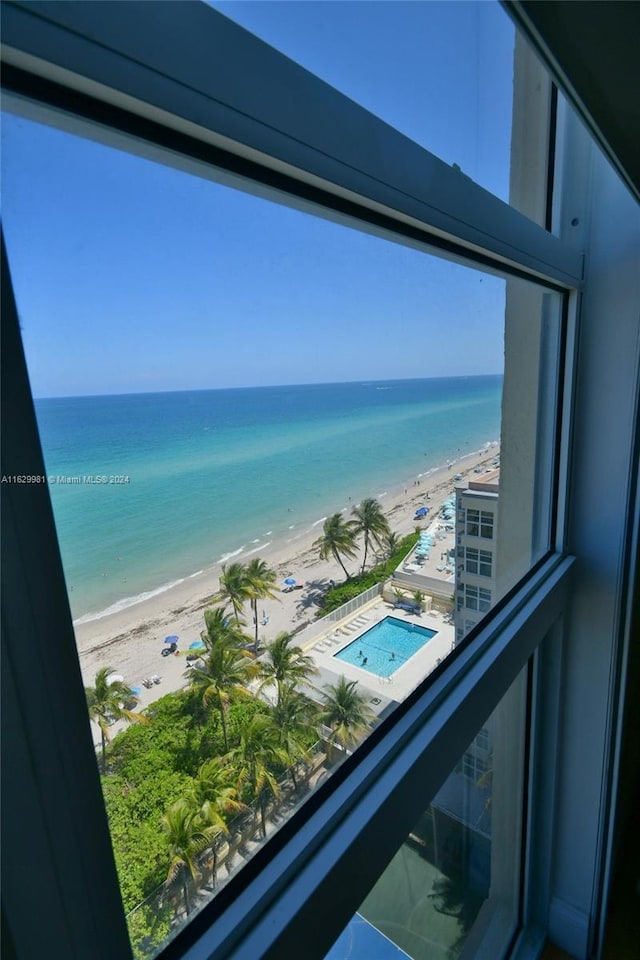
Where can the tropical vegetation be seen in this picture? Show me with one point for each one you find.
(234, 588)
(251, 582)
(285, 665)
(261, 580)
(215, 795)
(346, 712)
(181, 755)
(294, 716)
(391, 544)
(258, 758)
(108, 701)
(227, 668)
(187, 835)
(339, 594)
(204, 770)
(338, 540)
(370, 521)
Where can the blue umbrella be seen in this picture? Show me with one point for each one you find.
(171, 639)
(197, 645)
(136, 690)
(290, 581)
(421, 512)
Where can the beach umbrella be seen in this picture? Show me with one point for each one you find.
(136, 690)
(115, 678)
(421, 512)
(197, 645)
(290, 581)
(171, 639)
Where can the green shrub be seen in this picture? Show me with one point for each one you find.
(151, 766)
(340, 594)
(149, 928)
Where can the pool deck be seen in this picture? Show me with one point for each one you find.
(408, 675)
(440, 565)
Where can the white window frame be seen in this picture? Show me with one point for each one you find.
(128, 71)
(471, 563)
(484, 599)
(474, 564)
(485, 560)
(471, 597)
(487, 519)
(471, 521)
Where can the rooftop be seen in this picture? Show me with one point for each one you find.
(487, 482)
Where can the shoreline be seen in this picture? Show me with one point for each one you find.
(278, 537)
(130, 639)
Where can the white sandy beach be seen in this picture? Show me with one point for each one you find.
(131, 640)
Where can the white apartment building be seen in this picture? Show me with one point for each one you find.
(476, 542)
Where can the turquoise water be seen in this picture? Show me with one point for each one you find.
(386, 646)
(218, 473)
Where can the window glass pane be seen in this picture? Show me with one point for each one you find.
(453, 885)
(473, 523)
(259, 424)
(439, 72)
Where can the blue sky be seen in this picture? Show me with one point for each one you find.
(133, 277)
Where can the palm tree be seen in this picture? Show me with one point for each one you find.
(391, 544)
(187, 836)
(370, 521)
(285, 665)
(227, 669)
(337, 538)
(294, 718)
(256, 756)
(219, 629)
(214, 793)
(261, 580)
(106, 702)
(346, 712)
(234, 587)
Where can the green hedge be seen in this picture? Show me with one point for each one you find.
(340, 594)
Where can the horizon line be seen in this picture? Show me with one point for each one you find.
(269, 386)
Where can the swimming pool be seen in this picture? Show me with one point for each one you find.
(386, 646)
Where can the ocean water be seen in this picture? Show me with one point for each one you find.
(208, 475)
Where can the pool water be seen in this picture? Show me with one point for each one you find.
(385, 646)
